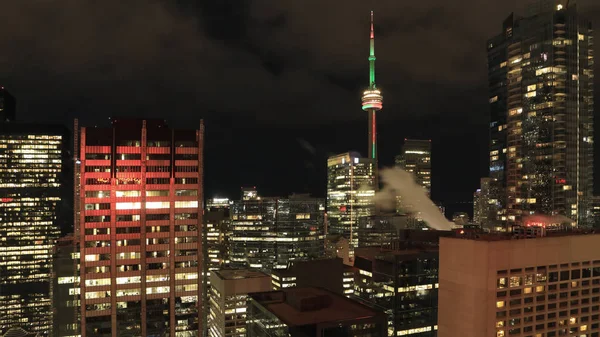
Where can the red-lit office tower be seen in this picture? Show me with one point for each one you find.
(372, 101)
(140, 229)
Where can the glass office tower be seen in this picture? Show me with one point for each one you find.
(416, 159)
(268, 233)
(541, 105)
(350, 194)
(32, 164)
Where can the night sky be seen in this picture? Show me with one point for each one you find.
(278, 82)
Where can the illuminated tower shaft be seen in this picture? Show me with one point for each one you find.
(372, 101)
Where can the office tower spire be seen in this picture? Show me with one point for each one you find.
(372, 101)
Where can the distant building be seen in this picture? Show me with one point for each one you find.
(337, 246)
(216, 231)
(34, 201)
(228, 293)
(596, 211)
(487, 208)
(8, 106)
(66, 288)
(268, 233)
(350, 194)
(141, 229)
(541, 93)
(416, 159)
(496, 285)
(478, 204)
(303, 274)
(403, 283)
(460, 218)
(311, 312)
(249, 193)
(381, 230)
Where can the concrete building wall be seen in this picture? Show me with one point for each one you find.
(470, 271)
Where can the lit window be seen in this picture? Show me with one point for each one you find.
(157, 204)
(186, 204)
(128, 205)
(515, 281)
(502, 282)
(500, 304)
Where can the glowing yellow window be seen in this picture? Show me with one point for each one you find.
(527, 290)
(500, 333)
(500, 304)
(539, 289)
(502, 282)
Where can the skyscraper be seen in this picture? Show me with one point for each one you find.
(372, 101)
(33, 160)
(65, 292)
(216, 232)
(141, 225)
(268, 233)
(403, 283)
(228, 293)
(486, 205)
(416, 159)
(498, 285)
(350, 193)
(8, 106)
(541, 104)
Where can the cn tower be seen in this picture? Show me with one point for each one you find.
(372, 101)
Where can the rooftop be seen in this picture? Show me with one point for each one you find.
(235, 274)
(326, 306)
(372, 253)
(489, 237)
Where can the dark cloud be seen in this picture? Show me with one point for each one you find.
(240, 57)
(276, 62)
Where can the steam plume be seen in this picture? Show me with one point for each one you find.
(397, 182)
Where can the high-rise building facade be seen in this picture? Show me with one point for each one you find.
(496, 285)
(416, 159)
(541, 104)
(141, 224)
(487, 208)
(404, 284)
(268, 233)
(217, 231)
(216, 234)
(302, 274)
(33, 161)
(381, 230)
(596, 211)
(65, 292)
(350, 194)
(8, 106)
(228, 293)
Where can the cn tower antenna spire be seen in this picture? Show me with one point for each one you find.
(372, 55)
(372, 101)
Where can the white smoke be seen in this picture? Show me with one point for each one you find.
(397, 182)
